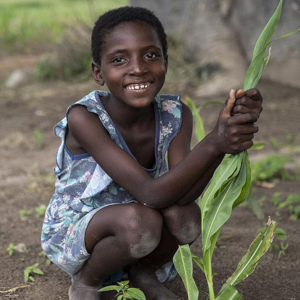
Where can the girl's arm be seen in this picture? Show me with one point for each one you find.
(161, 192)
(247, 102)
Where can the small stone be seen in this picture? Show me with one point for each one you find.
(16, 78)
(21, 248)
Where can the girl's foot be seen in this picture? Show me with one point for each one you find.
(151, 287)
(80, 291)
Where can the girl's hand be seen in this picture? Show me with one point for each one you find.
(235, 127)
(248, 102)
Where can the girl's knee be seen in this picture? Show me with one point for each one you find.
(183, 222)
(142, 230)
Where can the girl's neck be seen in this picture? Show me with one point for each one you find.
(125, 116)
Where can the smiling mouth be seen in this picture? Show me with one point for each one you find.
(137, 86)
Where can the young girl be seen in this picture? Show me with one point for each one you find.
(120, 206)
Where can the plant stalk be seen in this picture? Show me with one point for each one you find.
(209, 277)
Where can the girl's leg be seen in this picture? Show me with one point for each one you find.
(182, 225)
(116, 236)
(183, 222)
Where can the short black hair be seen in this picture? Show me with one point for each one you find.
(114, 17)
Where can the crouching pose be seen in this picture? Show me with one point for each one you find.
(127, 179)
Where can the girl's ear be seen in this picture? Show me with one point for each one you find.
(96, 70)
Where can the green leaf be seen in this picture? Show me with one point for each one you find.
(136, 294)
(258, 62)
(38, 271)
(123, 283)
(184, 266)
(198, 261)
(126, 295)
(219, 208)
(227, 170)
(245, 172)
(291, 200)
(258, 145)
(257, 249)
(110, 288)
(253, 204)
(199, 127)
(286, 35)
(228, 292)
(256, 67)
(268, 31)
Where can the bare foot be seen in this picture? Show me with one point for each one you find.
(151, 286)
(80, 291)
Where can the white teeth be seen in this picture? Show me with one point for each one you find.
(137, 86)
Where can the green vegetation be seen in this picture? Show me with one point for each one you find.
(280, 236)
(24, 214)
(199, 127)
(40, 180)
(40, 211)
(39, 24)
(229, 187)
(292, 202)
(30, 271)
(183, 262)
(274, 142)
(10, 249)
(124, 291)
(38, 139)
(283, 248)
(270, 168)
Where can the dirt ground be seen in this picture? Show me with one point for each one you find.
(27, 156)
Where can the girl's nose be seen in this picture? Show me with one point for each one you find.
(137, 67)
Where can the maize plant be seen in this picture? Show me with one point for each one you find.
(228, 188)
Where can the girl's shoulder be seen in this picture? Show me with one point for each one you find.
(92, 103)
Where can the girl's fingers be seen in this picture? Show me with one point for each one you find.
(226, 113)
(240, 93)
(242, 119)
(254, 94)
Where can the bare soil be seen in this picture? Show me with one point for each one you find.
(26, 182)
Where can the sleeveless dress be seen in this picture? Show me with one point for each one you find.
(82, 187)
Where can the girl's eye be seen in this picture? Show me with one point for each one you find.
(118, 60)
(151, 55)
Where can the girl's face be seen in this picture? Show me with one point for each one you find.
(132, 64)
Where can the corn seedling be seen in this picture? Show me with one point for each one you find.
(269, 168)
(228, 188)
(276, 198)
(24, 214)
(40, 211)
(293, 204)
(11, 248)
(282, 249)
(30, 271)
(124, 291)
(38, 139)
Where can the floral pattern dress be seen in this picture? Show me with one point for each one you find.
(83, 188)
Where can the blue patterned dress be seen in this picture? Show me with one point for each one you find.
(82, 188)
